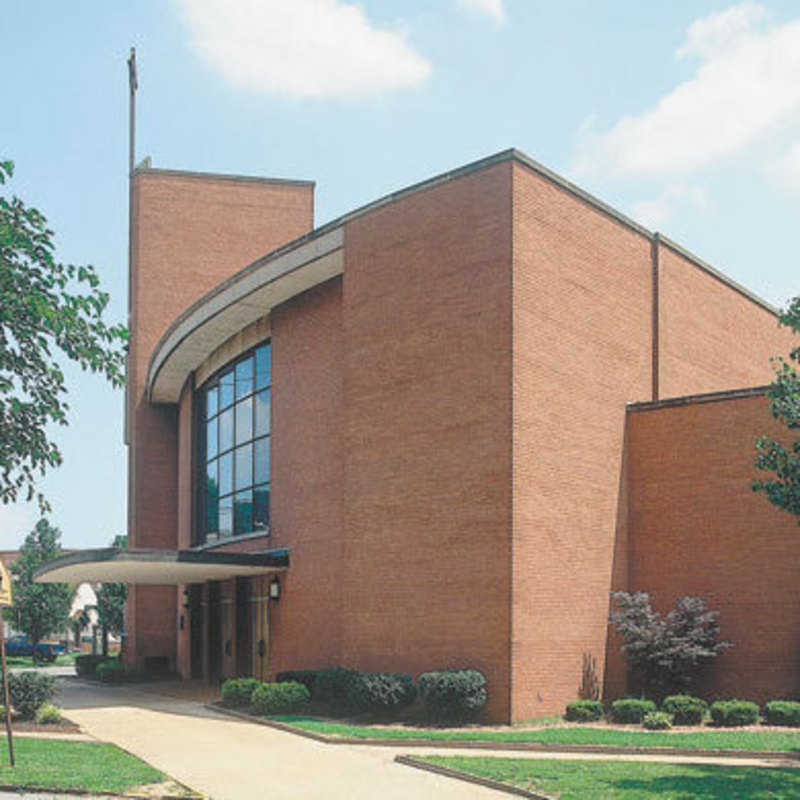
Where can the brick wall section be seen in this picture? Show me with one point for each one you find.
(307, 457)
(189, 233)
(427, 422)
(581, 351)
(712, 338)
(698, 529)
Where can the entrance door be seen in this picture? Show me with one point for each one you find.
(214, 632)
(244, 628)
(196, 623)
(259, 600)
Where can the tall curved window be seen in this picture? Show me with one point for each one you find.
(234, 473)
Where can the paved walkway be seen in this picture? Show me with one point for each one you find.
(234, 760)
(229, 759)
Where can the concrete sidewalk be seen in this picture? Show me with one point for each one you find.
(233, 760)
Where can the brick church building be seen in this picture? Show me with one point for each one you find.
(439, 431)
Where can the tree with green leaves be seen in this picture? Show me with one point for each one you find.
(45, 306)
(39, 608)
(783, 460)
(111, 602)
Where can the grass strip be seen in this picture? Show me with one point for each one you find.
(631, 780)
(786, 741)
(92, 766)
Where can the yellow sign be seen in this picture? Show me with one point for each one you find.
(5, 586)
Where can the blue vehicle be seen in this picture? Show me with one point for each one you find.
(21, 645)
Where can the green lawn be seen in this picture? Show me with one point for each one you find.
(65, 660)
(704, 738)
(90, 766)
(629, 780)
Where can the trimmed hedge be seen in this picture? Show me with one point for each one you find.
(308, 677)
(236, 692)
(734, 713)
(782, 712)
(380, 691)
(657, 721)
(584, 711)
(86, 665)
(111, 670)
(48, 714)
(29, 691)
(685, 709)
(452, 694)
(631, 710)
(332, 685)
(276, 698)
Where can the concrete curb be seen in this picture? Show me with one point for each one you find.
(13, 787)
(460, 744)
(448, 772)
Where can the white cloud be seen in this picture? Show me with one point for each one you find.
(746, 86)
(785, 170)
(656, 212)
(494, 8)
(302, 48)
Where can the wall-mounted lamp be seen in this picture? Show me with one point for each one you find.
(275, 589)
(186, 598)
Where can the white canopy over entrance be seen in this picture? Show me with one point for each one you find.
(109, 565)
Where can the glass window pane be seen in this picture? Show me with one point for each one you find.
(226, 516)
(262, 413)
(244, 420)
(211, 439)
(244, 378)
(244, 466)
(261, 508)
(226, 474)
(212, 514)
(261, 453)
(263, 366)
(243, 512)
(226, 389)
(225, 430)
(212, 401)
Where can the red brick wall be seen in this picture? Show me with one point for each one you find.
(582, 321)
(307, 460)
(712, 338)
(698, 529)
(427, 433)
(189, 233)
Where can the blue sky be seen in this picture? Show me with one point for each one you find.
(684, 115)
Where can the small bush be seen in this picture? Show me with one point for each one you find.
(734, 713)
(308, 677)
(452, 694)
(631, 710)
(48, 714)
(85, 665)
(685, 709)
(584, 711)
(656, 721)
(236, 693)
(380, 691)
(332, 684)
(111, 670)
(29, 691)
(276, 698)
(782, 712)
